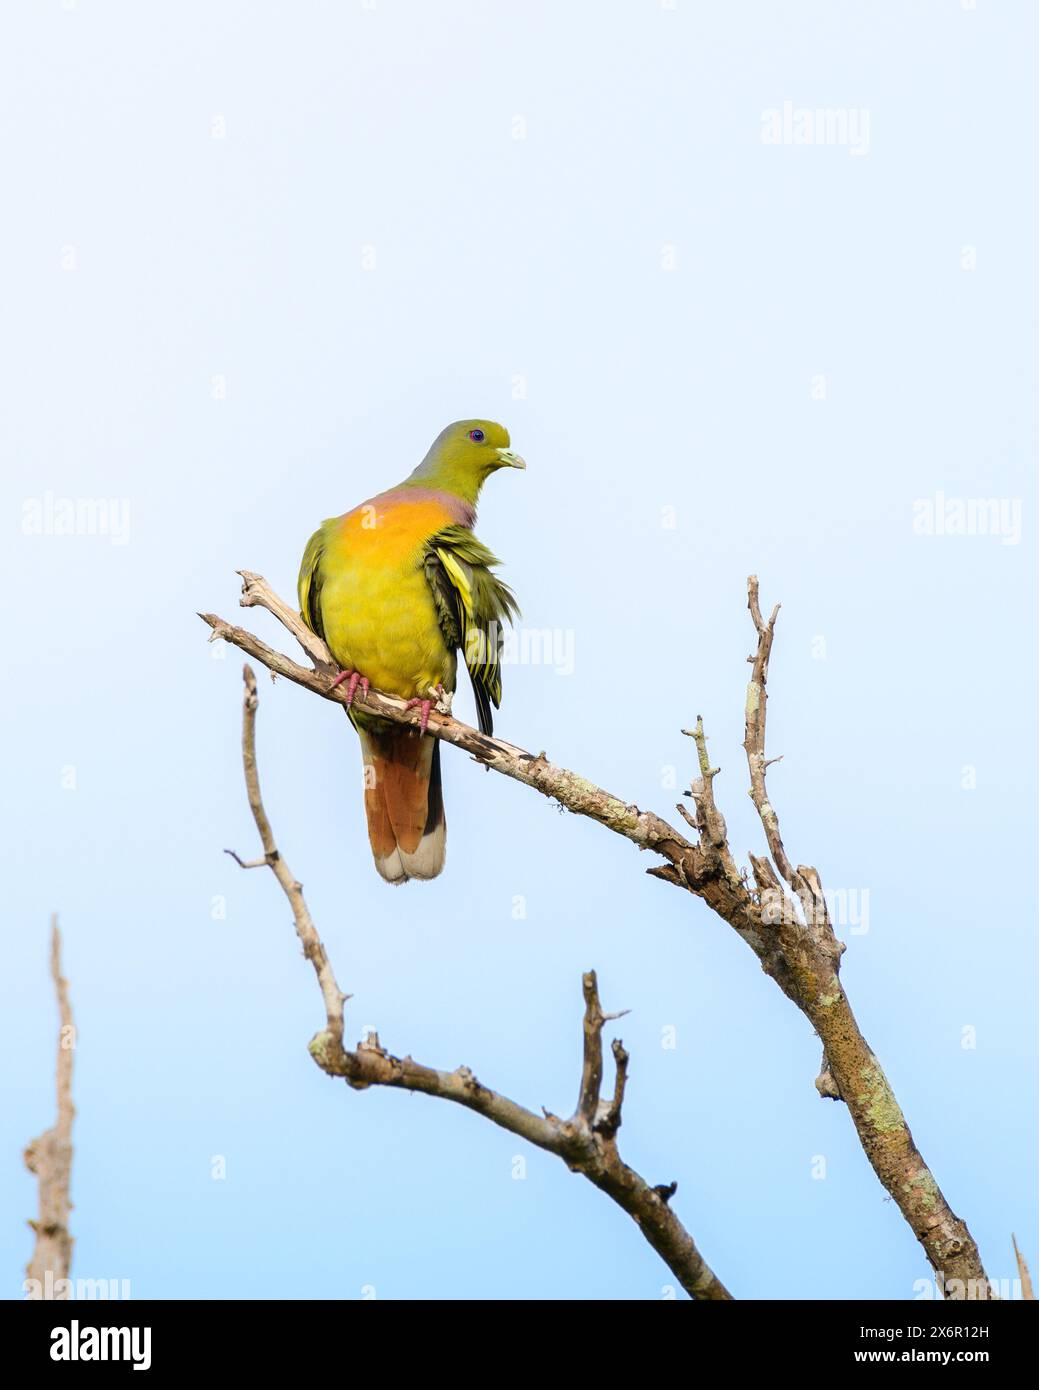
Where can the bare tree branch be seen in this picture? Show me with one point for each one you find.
(850, 1070)
(1027, 1292)
(797, 948)
(50, 1156)
(586, 1142)
(754, 742)
(313, 948)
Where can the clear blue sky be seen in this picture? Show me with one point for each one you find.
(254, 257)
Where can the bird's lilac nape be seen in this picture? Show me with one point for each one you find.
(460, 512)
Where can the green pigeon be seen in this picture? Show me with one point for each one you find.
(396, 588)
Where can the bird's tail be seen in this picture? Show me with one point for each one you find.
(404, 802)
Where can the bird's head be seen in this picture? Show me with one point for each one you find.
(464, 455)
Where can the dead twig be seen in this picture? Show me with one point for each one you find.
(50, 1156)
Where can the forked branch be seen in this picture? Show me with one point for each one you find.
(586, 1142)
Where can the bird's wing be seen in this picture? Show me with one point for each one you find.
(472, 604)
(309, 584)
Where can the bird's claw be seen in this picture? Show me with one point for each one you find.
(356, 679)
(426, 705)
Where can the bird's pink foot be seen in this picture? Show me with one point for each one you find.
(356, 679)
(427, 705)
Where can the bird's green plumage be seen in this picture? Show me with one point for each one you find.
(399, 584)
(457, 464)
(473, 605)
(396, 587)
(310, 583)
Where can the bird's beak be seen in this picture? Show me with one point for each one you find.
(509, 459)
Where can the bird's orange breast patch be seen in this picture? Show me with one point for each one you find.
(395, 527)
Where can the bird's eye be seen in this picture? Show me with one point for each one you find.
(476, 436)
